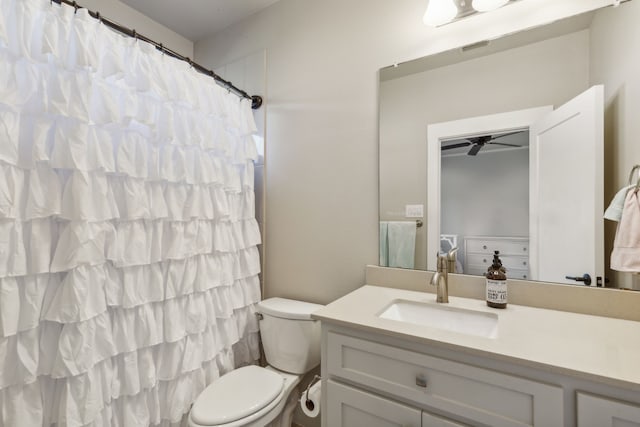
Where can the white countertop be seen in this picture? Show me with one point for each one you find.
(591, 347)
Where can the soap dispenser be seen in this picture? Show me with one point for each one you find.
(496, 283)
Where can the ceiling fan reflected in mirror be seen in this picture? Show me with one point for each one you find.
(478, 142)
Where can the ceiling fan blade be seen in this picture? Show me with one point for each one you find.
(506, 134)
(474, 150)
(458, 145)
(502, 143)
(479, 139)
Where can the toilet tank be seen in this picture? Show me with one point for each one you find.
(291, 339)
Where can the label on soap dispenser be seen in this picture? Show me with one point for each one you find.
(497, 291)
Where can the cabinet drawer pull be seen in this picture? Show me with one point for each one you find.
(421, 381)
(484, 246)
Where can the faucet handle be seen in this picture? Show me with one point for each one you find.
(442, 263)
(451, 260)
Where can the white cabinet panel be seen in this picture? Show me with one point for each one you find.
(350, 407)
(489, 397)
(594, 411)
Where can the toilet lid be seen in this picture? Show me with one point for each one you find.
(236, 395)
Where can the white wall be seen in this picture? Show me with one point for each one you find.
(127, 16)
(322, 122)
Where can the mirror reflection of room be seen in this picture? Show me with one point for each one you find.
(544, 66)
(484, 195)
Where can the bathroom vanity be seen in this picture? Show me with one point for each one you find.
(388, 359)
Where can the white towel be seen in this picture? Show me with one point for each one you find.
(614, 211)
(626, 246)
(401, 240)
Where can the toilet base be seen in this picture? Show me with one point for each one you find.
(286, 416)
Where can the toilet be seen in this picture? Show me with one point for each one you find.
(254, 396)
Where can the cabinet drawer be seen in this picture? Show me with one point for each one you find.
(518, 274)
(479, 270)
(505, 246)
(482, 395)
(595, 411)
(510, 262)
(350, 407)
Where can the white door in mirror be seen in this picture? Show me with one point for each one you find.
(566, 188)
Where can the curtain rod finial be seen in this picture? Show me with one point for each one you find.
(256, 102)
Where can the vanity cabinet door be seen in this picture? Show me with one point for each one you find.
(485, 396)
(350, 407)
(430, 420)
(594, 411)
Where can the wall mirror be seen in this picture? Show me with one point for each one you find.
(515, 144)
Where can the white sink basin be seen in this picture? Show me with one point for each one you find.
(443, 316)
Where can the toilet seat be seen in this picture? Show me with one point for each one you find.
(237, 395)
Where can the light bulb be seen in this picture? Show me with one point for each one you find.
(440, 12)
(487, 5)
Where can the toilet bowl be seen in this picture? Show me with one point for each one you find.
(259, 396)
(248, 396)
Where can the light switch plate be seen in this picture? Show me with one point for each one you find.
(414, 211)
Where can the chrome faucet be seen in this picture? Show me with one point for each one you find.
(451, 260)
(440, 279)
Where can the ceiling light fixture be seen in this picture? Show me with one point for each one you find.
(440, 12)
(488, 5)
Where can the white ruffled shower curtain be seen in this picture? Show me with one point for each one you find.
(128, 259)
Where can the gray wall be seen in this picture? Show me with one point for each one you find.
(486, 194)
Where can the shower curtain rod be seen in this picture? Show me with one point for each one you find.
(256, 100)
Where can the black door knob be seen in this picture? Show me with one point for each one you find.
(585, 278)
